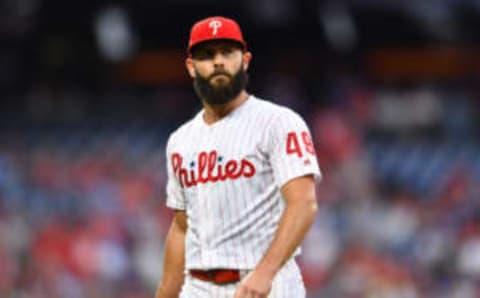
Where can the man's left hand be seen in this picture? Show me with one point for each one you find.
(254, 285)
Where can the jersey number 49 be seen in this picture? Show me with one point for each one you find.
(293, 144)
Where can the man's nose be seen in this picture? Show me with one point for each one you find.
(218, 59)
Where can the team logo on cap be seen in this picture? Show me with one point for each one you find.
(215, 24)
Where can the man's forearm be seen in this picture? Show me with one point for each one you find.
(295, 222)
(174, 263)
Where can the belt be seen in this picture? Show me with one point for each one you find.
(218, 276)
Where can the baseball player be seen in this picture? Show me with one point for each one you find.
(241, 179)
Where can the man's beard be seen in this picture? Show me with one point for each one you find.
(220, 94)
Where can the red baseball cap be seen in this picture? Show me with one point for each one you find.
(213, 28)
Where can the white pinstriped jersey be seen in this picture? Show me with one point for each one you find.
(227, 176)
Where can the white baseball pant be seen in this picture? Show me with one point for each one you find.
(287, 283)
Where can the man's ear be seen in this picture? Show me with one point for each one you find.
(247, 57)
(190, 68)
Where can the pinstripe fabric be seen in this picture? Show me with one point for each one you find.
(287, 283)
(227, 176)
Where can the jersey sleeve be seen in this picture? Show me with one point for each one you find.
(292, 152)
(175, 196)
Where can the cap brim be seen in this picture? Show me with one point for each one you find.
(241, 45)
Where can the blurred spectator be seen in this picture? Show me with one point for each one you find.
(82, 140)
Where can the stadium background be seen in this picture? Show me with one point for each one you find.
(90, 90)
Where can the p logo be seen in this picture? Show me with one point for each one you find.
(215, 24)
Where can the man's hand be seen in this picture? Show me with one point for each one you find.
(299, 214)
(174, 264)
(163, 293)
(255, 285)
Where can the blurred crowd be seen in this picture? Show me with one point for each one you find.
(400, 212)
(89, 93)
(82, 205)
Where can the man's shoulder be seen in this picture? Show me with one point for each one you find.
(184, 129)
(269, 107)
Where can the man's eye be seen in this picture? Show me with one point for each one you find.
(203, 55)
(227, 51)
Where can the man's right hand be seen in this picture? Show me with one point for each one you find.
(174, 258)
(164, 293)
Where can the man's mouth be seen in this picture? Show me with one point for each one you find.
(219, 75)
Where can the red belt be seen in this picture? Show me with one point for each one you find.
(218, 276)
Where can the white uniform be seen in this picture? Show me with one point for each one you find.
(227, 177)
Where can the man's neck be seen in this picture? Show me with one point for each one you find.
(213, 113)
